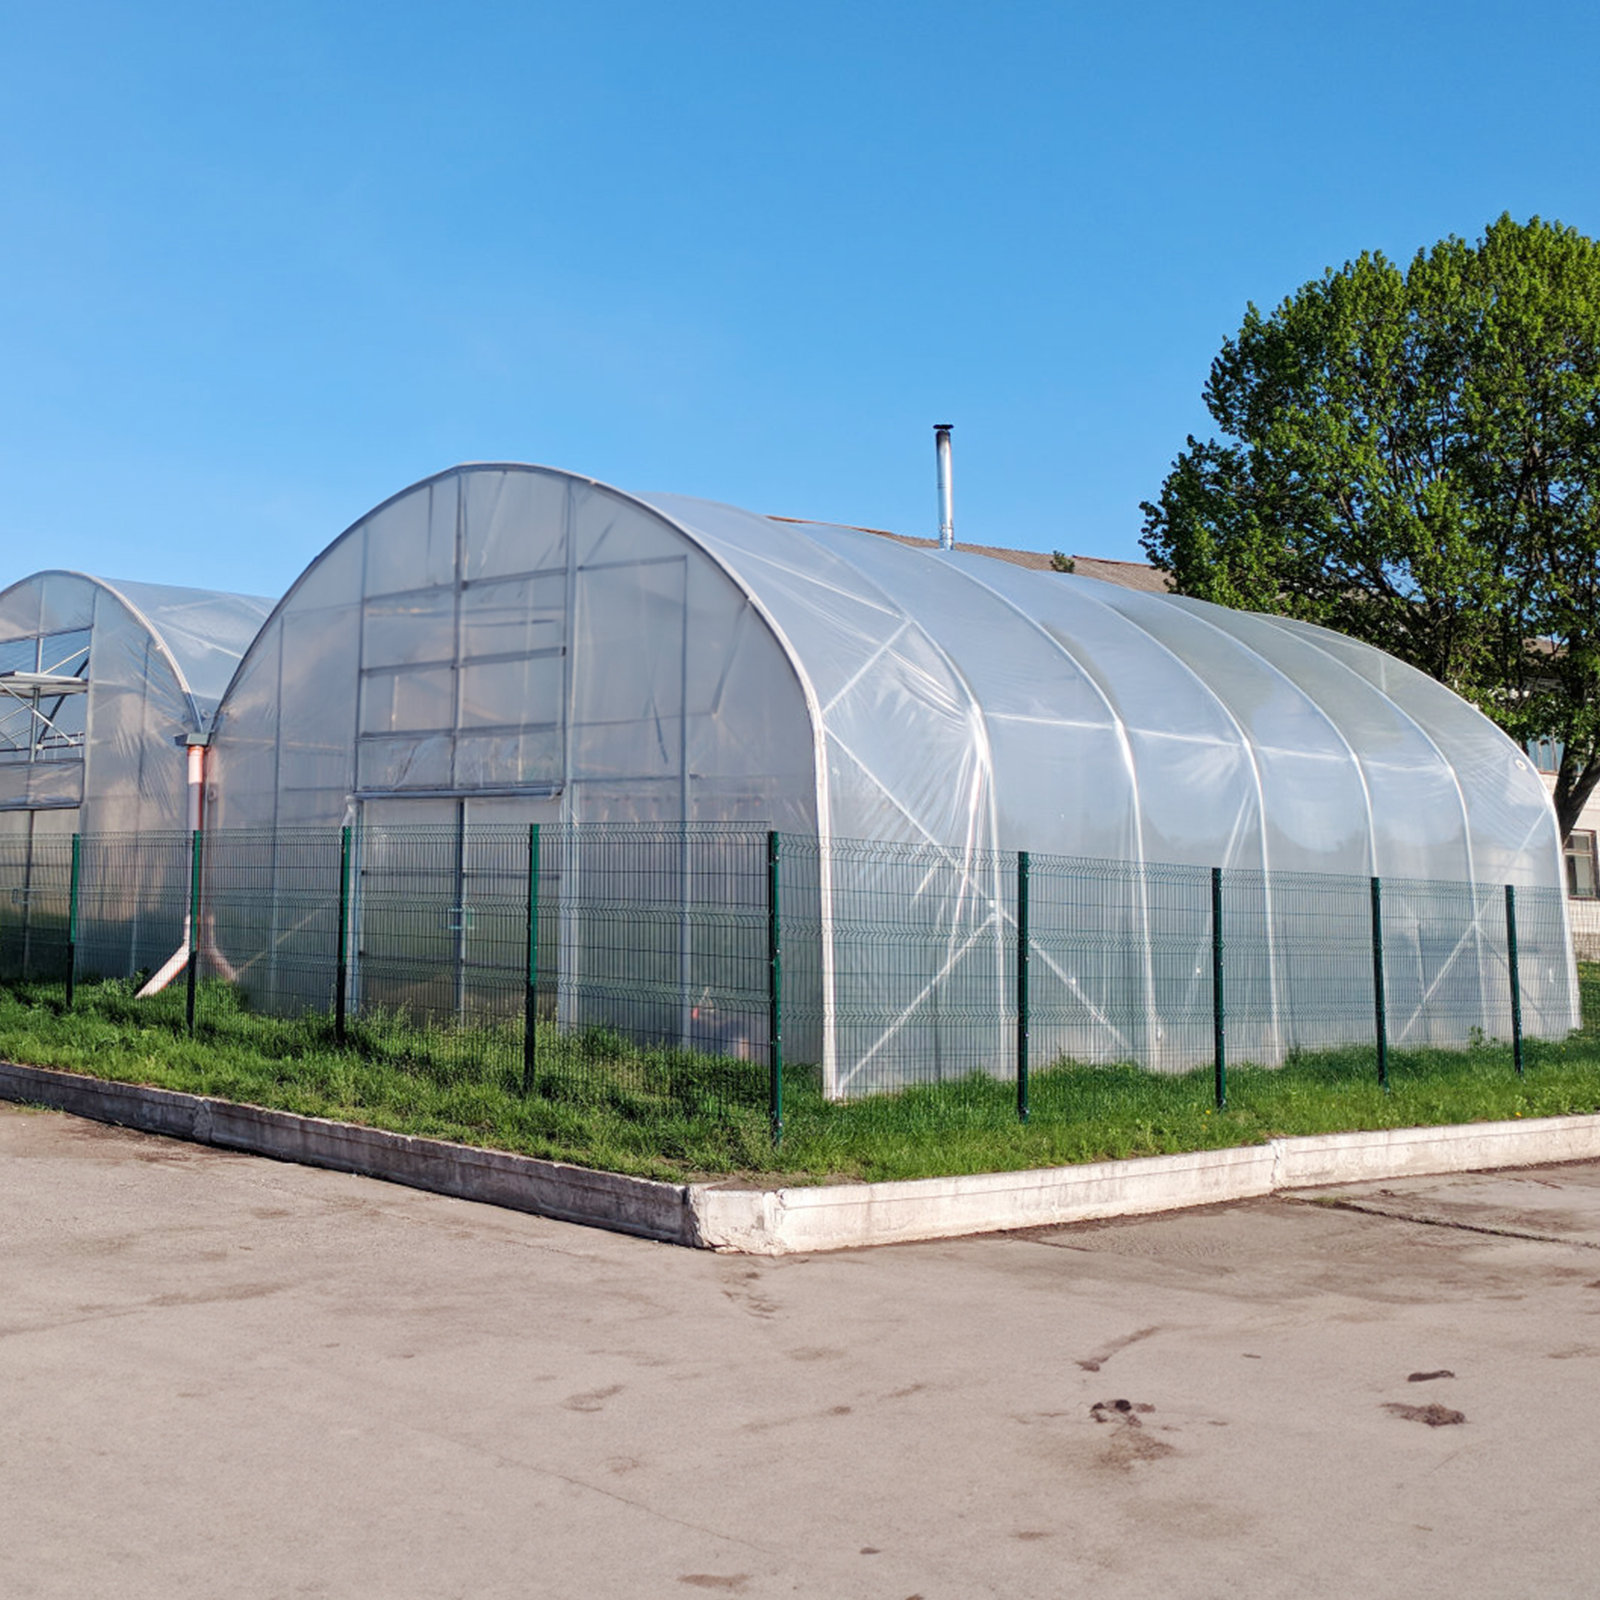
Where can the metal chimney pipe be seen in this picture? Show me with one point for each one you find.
(947, 526)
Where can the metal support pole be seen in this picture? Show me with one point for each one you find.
(1380, 1012)
(774, 988)
(194, 927)
(1024, 951)
(72, 920)
(1516, 978)
(1219, 1010)
(530, 971)
(342, 969)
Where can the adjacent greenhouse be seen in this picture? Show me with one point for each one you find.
(512, 644)
(103, 685)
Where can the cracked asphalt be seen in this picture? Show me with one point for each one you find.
(224, 1376)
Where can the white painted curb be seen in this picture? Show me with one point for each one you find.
(827, 1216)
(842, 1216)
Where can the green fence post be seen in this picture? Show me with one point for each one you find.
(194, 928)
(775, 988)
(530, 972)
(342, 966)
(1516, 978)
(1380, 1015)
(1219, 1010)
(72, 920)
(1023, 953)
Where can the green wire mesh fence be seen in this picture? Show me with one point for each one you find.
(716, 968)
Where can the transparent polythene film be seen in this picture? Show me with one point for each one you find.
(154, 660)
(517, 644)
(523, 637)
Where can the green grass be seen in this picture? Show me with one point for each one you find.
(601, 1102)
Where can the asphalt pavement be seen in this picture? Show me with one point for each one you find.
(226, 1376)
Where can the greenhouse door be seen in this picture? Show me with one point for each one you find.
(441, 904)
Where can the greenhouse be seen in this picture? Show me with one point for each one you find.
(515, 644)
(105, 689)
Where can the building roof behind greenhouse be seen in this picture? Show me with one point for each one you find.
(1125, 574)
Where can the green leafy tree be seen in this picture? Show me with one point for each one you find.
(1413, 457)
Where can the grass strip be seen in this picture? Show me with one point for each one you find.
(601, 1102)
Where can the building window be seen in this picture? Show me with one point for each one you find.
(1545, 754)
(1582, 882)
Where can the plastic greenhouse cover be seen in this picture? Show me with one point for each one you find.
(501, 630)
(965, 698)
(157, 661)
(206, 630)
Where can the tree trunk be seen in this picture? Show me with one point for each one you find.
(1574, 785)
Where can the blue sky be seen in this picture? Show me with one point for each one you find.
(263, 266)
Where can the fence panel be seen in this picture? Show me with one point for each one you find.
(269, 909)
(33, 906)
(133, 902)
(900, 962)
(1446, 973)
(1121, 967)
(1550, 1001)
(655, 936)
(1300, 953)
(914, 973)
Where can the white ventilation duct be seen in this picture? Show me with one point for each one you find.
(947, 527)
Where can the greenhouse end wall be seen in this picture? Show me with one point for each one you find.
(137, 671)
(501, 646)
(521, 636)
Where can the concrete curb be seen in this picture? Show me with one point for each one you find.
(842, 1216)
(550, 1188)
(828, 1216)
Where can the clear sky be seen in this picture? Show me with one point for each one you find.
(265, 265)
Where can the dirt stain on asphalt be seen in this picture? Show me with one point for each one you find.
(730, 1583)
(237, 1291)
(1428, 1377)
(1434, 1416)
(1126, 1448)
(1127, 1411)
(1095, 1362)
(766, 1424)
(744, 1292)
(1129, 1443)
(591, 1399)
